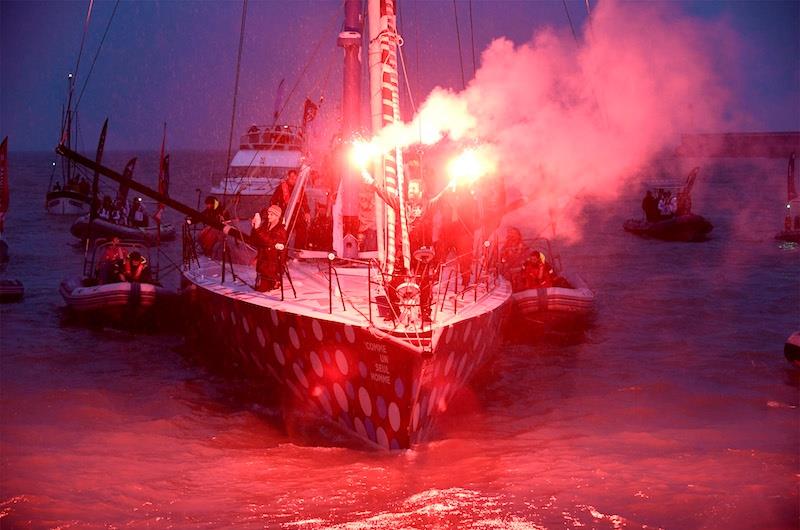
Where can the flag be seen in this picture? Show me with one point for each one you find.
(792, 191)
(163, 185)
(101, 144)
(276, 111)
(4, 197)
(127, 174)
(687, 188)
(309, 111)
(163, 176)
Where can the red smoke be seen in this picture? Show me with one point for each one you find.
(573, 120)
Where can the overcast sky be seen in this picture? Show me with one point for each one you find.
(175, 62)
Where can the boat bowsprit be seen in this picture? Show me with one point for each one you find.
(102, 228)
(11, 290)
(688, 227)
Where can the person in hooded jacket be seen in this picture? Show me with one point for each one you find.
(270, 236)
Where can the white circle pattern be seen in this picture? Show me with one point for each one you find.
(278, 353)
(317, 330)
(341, 398)
(298, 372)
(363, 399)
(316, 364)
(383, 440)
(341, 362)
(449, 364)
(394, 416)
(295, 340)
(349, 333)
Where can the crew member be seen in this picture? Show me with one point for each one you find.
(536, 272)
(110, 265)
(269, 234)
(138, 216)
(302, 215)
(136, 269)
(650, 207)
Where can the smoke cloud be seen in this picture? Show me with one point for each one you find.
(575, 122)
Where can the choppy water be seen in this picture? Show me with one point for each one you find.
(677, 410)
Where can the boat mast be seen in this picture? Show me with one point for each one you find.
(350, 40)
(385, 109)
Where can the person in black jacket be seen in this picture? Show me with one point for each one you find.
(270, 238)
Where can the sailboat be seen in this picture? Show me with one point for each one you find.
(11, 289)
(681, 224)
(791, 222)
(376, 347)
(69, 191)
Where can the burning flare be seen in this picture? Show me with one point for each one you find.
(470, 165)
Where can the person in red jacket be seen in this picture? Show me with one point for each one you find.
(270, 236)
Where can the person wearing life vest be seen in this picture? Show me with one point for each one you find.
(138, 216)
(536, 272)
(111, 262)
(136, 269)
(106, 209)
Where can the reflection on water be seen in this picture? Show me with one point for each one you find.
(675, 409)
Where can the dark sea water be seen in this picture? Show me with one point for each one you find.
(676, 410)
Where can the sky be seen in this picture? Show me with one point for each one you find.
(562, 103)
(175, 62)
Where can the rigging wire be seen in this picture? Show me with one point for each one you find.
(306, 66)
(472, 38)
(571, 27)
(65, 125)
(235, 91)
(96, 55)
(588, 10)
(460, 54)
(83, 37)
(405, 78)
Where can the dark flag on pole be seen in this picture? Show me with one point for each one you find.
(163, 185)
(163, 176)
(309, 111)
(276, 110)
(4, 196)
(101, 144)
(127, 174)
